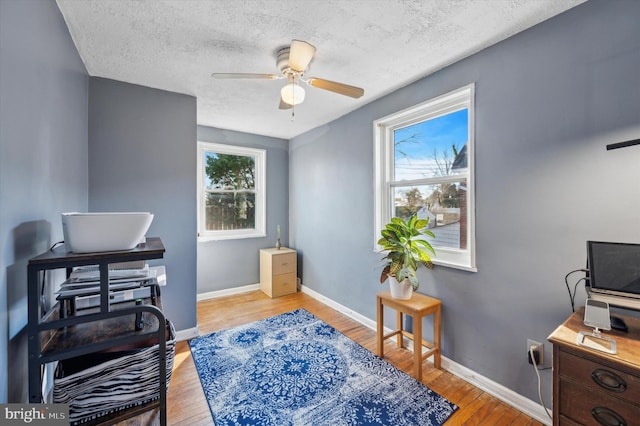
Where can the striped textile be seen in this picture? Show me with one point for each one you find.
(114, 385)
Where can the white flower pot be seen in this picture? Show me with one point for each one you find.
(400, 290)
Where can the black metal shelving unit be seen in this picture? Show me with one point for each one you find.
(52, 338)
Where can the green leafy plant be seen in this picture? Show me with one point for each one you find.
(406, 248)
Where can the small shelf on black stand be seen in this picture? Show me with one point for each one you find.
(52, 338)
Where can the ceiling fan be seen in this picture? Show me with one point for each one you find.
(293, 61)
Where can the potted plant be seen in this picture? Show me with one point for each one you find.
(406, 248)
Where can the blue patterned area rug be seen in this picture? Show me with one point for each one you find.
(294, 369)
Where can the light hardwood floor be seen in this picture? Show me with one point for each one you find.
(186, 404)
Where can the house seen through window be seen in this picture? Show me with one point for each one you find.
(231, 191)
(424, 166)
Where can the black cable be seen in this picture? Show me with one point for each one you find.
(54, 246)
(575, 287)
(43, 305)
(44, 273)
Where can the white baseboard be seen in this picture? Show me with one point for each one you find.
(504, 394)
(187, 334)
(340, 308)
(190, 333)
(227, 292)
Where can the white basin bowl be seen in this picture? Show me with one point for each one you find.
(92, 232)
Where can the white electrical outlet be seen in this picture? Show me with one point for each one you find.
(537, 347)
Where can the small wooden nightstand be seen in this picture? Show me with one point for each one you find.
(278, 270)
(592, 387)
(417, 307)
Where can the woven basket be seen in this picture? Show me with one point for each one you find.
(115, 381)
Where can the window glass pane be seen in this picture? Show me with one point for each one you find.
(432, 148)
(444, 204)
(229, 172)
(230, 210)
(231, 185)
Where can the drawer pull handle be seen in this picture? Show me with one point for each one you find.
(607, 417)
(608, 380)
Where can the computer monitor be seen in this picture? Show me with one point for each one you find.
(614, 273)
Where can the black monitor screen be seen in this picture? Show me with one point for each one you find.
(614, 267)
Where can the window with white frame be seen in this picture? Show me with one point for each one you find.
(231, 191)
(424, 166)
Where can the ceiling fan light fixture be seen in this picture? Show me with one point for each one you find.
(292, 94)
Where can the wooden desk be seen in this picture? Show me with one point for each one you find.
(591, 387)
(417, 307)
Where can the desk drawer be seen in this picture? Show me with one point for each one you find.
(601, 378)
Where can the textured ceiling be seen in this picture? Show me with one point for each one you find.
(379, 45)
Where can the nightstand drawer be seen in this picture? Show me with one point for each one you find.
(585, 406)
(283, 263)
(283, 284)
(601, 378)
(566, 421)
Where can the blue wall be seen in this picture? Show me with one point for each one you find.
(214, 256)
(142, 157)
(548, 100)
(43, 161)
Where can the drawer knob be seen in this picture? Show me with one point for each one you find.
(607, 417)
(608, 380)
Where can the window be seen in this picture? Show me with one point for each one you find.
(231, 192)
(424, 165)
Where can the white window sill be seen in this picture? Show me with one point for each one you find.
(206, 238)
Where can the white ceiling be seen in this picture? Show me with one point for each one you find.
(379, 45)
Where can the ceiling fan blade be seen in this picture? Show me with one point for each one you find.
(341, 88)
(224, 75)
(300, 55)
(284, 105)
